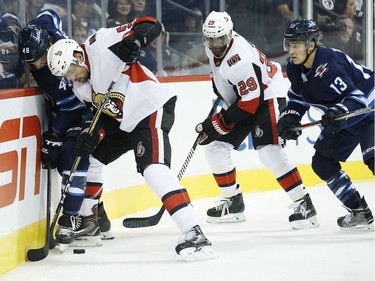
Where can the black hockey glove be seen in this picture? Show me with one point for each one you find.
(86, 143)
(129, 50)
(287, 120)
(328, 119)
(50, 149)
(211, 128)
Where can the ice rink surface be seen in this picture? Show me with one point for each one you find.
(264, 248)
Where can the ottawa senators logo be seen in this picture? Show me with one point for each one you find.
(233, 60)
(114, 105)
(258, 132)
(140, 149)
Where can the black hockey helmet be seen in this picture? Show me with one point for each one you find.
(301, 30)
(33, 43)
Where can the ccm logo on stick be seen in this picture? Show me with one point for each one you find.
(20, 143)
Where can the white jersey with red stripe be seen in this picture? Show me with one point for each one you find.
(245, 73)
(137, 92)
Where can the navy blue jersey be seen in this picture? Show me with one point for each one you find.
(333, 78)
(65, 106)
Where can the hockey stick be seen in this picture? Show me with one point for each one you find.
(39, 254)
(154, 220)
(340, 117)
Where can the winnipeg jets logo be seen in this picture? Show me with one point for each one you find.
(328, 4)
(320, 70)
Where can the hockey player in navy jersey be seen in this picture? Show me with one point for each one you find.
(137, 117)
(331, 81)
(59, 140)
(252, 88)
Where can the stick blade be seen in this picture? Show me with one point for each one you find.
(38, 254)
(144, 222)
(137, 222)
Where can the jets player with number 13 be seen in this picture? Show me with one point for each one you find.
(253, 89)
(331, 81)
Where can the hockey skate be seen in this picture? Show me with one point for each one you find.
(304, 215)
(87, 233)
(104, 223)
(194, 246)
(65, 231)
(357, 219)
(228, 210)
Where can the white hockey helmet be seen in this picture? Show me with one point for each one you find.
(217, 32)
(61, 55)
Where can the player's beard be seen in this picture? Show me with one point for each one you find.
(219, 52)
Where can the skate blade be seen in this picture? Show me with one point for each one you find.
(231, 218)
(61, 248)
(86, 242)
(107, 235)
(305, 224)
(359, 228)
(192, 254)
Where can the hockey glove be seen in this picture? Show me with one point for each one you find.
(86, 143)
(50, 149)
(212, 128)
(129, 50)
(328, 119)
(287, 120)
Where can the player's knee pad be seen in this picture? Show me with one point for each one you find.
(275, 159)
(75, 193)
(161, 179)
(218, 155)
(324, 167)
(95, 171)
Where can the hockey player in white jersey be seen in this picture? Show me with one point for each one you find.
(253, 90)
(138, 116)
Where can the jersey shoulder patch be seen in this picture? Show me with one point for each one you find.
(92, 39)
(233, 60)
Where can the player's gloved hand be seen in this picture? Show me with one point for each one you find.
(129, 50)
(50, 149)
(287, 120)
(328, 119)
(86, 143)
(211, 128)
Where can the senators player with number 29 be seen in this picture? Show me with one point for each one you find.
(253, 90)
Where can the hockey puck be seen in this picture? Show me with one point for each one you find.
(79, 251)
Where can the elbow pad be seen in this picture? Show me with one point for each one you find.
(146, 30)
